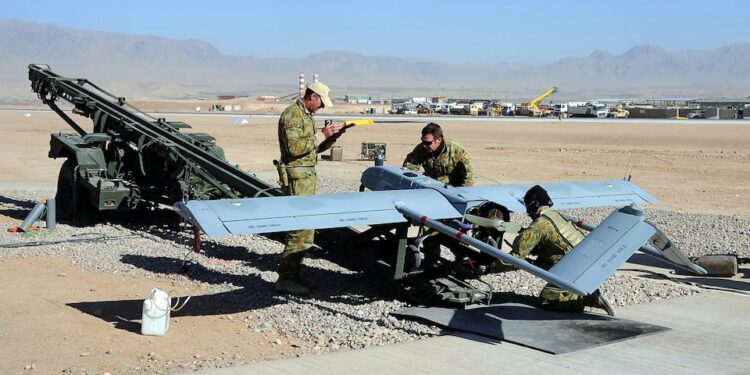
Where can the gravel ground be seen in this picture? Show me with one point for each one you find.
(345, 312)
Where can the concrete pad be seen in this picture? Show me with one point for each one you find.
(709, 335)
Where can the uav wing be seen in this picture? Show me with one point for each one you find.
(227, 217)
(566, 195)
(580, 194)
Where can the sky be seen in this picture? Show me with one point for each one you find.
(531, 32)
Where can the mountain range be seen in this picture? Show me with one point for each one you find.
(143, 66)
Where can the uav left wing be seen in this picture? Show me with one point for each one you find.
(227, 217)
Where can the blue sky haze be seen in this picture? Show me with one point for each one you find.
(536, 32)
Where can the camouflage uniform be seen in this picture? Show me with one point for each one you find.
(550, 237)
(299, 154)
(450, 164)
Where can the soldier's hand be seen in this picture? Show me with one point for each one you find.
(339, 133)
(333, 130)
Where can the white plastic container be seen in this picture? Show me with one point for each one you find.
(155, 318)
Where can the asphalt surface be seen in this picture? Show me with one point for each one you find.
(410, 118)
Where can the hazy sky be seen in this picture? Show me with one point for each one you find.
(455, 31)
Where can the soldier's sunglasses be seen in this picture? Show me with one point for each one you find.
(428, 143)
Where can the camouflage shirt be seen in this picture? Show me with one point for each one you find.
(450, 164)
(543, 240)
(297, 143)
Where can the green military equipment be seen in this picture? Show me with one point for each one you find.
(131, 159)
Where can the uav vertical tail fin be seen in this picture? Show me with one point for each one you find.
(607, 247)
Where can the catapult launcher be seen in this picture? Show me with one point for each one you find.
(130, 159)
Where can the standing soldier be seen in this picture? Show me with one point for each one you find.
(299, 146)
(550, 237)
(442, 159)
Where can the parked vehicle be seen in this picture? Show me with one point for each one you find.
(618, 112)
(532, 109)
(405, 108)
(697, 113)
(591, 109)
(459, 108)
(560, 110)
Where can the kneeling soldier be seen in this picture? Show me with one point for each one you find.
(550, 237)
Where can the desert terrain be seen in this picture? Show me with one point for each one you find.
(687, 166)
(62, 317)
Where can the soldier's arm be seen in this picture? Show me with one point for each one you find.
(466, 161)
(463, 174)
(413, 160)
(527, 240)
(524, 243)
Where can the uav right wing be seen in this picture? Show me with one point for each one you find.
(567, 195)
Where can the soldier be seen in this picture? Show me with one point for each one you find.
(299, 145)
(549, 237)
(446, 161)
(442, 159)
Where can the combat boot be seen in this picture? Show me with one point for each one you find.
(291, 286)
(598, 301)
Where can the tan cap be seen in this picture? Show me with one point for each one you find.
(322, 90)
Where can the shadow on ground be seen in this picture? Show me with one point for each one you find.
(251, 293)
(516, 319)
(15, 208)
(673, 273)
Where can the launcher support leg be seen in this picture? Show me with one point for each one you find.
(400, 261)
(664, 249)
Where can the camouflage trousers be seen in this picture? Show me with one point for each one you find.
(299, 241)
(554, 298)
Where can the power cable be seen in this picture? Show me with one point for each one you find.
(82, 237)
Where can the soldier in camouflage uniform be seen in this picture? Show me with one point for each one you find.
(442, 159)
(299, 146)
(446, 161)
(550, 237)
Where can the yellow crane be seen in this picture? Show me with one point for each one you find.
(531, 108)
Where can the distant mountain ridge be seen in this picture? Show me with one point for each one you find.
(157, 67)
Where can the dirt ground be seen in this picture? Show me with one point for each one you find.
(688, 167)
(83, 325)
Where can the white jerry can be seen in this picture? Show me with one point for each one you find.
(155, 319)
